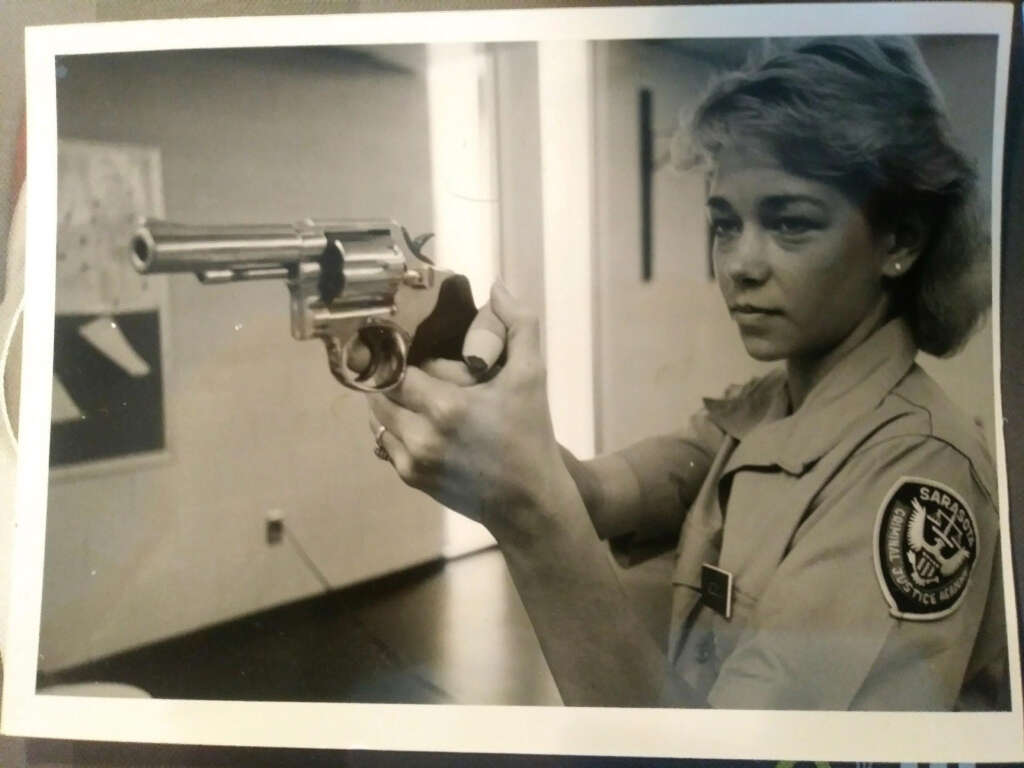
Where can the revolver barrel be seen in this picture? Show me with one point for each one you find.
(218, 253)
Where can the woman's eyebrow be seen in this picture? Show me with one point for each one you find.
(719, 204)
(775, 203)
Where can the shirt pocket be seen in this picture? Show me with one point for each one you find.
(708, 637)
(727, 632)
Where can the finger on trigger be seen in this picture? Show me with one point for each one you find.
(358, 357)
(484, 342)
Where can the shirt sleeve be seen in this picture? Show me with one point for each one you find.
(824, 635)
(646, 488)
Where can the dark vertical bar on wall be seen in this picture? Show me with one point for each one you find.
(646, 171)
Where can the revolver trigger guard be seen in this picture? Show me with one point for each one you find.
(388, 347)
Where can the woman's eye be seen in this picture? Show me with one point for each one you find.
(723, 228)
(793, 226)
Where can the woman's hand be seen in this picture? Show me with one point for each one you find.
(486, 450)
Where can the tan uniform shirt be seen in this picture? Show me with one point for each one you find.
(860, 531)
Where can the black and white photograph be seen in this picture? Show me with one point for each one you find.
(540, 381)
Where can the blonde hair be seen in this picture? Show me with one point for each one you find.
(864, 115)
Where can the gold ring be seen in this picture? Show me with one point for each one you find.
(380, 451)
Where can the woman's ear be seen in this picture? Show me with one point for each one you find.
(903, 247)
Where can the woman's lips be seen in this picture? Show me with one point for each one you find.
(751, 318)
(751, 310)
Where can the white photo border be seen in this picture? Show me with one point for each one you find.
(878, 736)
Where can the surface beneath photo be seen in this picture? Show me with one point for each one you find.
(629, 384)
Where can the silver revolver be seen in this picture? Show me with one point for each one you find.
(363, 287)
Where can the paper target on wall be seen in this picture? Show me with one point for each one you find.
(108, 357)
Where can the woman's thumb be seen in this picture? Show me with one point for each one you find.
(523, 326)
(484, 342)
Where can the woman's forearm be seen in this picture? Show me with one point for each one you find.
(643, 491)
(610, 493)
(598, 650)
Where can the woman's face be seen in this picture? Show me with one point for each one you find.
(798, 264)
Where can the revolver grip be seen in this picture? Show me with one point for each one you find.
(442, 332)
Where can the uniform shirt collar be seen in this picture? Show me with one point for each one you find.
(759, 415)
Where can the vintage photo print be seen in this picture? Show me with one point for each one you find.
(716, 470)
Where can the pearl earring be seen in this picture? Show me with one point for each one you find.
(898, 266)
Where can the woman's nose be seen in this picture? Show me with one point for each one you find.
(745, 261)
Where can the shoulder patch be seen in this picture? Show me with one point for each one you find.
(926, 542)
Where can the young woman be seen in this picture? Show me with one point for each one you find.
(836, 520)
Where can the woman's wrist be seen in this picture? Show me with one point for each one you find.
(549, 508)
